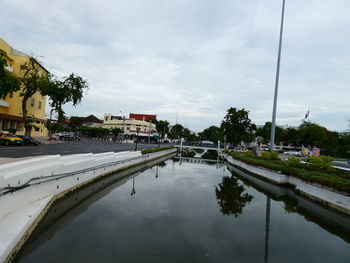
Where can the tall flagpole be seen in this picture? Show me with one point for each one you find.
(273, 126)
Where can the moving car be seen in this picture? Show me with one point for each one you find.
(27, 140)
(7, 138)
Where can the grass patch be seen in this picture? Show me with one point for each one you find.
(330, 177)
(153, 150)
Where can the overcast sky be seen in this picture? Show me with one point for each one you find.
(196, 58)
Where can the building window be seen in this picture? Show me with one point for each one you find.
(39, 105)
(106, 118)
(37, 129)
(32, 101)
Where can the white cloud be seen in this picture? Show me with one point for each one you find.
(195, 58)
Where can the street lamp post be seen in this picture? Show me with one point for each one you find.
(123, 124)
(137, 137)
(273, 126)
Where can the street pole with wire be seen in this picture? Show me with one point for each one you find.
(273, 126)
(137, 137)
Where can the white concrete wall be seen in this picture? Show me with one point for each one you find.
(318, 193)
(21, 208)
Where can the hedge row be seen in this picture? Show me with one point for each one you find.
(337, 180)
(153, 150)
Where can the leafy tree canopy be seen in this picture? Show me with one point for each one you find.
(213, 133)
(37, 80)
(162, 127)
(8, 82)
(237, 125)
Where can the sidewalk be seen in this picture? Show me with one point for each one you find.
(4, 160)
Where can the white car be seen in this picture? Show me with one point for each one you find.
(294, 153)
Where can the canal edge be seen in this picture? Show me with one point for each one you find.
(27, 233)
(310, 191)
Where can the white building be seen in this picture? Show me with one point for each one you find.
(129, 126)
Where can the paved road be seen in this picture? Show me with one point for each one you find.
(343, 164)
(64, 148)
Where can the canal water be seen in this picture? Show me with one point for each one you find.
(188, 210)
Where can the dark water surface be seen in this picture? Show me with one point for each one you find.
(188, 212)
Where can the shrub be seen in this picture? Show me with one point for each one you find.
(152, 150)
(269, 155)
(321, 162)
(339, 180)
(294, 162)
(250, 154)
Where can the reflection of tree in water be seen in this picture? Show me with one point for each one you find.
(230, 196)
(161, 164)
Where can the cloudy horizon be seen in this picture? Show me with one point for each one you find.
(193, 59)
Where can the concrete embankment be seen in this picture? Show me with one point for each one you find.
(325, 196)
(329, 219)
(28, 188)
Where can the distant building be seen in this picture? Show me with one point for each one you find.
(11, 116)
(91, 121)
(142, 117)
(130, 126)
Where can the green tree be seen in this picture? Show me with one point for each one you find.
(176, 131)
(290, 136)
(70, 89)
(37, 80)
(75, 123)
(311, 134)
(213, 133)
(265, 131)
(162, 127)
(188, 135)
(237, 126)
(8, 82)
(34, 79)
(115, 132)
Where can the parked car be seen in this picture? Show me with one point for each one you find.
(241, 149)
(54, 138)
(7, 138)
(27, 140)
(294, 153)
(68, 137)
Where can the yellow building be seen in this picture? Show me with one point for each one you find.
(11, 116)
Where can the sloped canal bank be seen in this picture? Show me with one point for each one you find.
(185, 210)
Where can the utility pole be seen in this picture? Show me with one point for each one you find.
(273, 126)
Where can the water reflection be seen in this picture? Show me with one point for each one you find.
(267, 228)
(186, 213)
(231, 196)
(133, 191)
